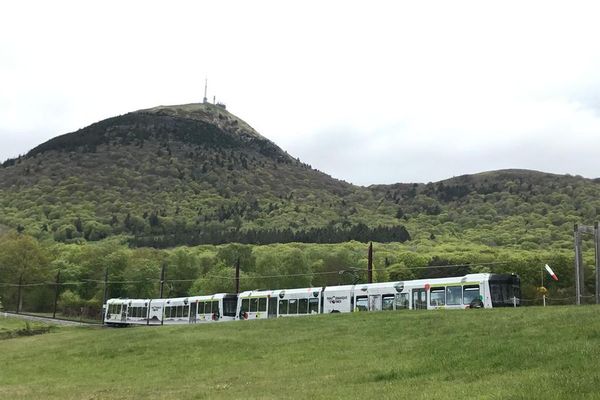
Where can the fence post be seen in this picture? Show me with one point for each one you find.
(56, 287)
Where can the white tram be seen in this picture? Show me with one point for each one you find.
(182, 310)
(469, 291)
(260, 304)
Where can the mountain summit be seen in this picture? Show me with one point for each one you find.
(192, 173)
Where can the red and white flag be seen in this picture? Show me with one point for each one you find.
(552, 274)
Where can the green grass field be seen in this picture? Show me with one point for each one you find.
(526, 353)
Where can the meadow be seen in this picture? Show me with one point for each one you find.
(523, 353)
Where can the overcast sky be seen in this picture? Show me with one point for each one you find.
(369, 92)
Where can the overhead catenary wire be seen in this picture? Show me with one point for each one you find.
(335, 272)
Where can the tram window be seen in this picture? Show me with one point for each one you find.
(262, 304)
(437, 297)
(302, 306)
(245, 305)
(167, 312)
(293, 306)
(180, 311)
(186, 311)
(401, 301)
(470, 293)
(208, 307)
(215, 307)
(387, 302)
(454, 295)
(200, 307)
(502, 293)
(253, 304)
(362, 303)
(283, 307)
(145, 312)
(229, 306)
(313, 306)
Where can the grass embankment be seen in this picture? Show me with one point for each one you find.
(14, 327)
(525, 353)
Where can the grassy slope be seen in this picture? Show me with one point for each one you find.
(11, 324)
(525, 353)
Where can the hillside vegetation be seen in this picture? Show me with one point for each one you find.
(485, 354)
(182, 175)
(196, 174)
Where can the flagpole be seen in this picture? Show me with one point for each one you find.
(543, 293)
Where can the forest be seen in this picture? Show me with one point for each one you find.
(135, 272)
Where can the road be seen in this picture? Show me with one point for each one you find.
(45, 320)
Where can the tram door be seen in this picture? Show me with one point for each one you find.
(419, 299)
(124, 313)
(272, 310)
(375, 302)
(193, 308)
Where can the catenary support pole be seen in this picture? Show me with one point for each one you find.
(597, 241)
(19, 293)
(237, 276)
(56, 290)
(370, 264)
(577, 265)
(162, 280)
(105, 296)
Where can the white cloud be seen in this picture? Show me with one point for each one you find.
(384, 92)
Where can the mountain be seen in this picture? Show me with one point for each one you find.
(519, 208)
(188, 174)
(195, 173)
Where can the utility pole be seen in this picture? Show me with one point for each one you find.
(237, 276)
(56, 288)
(577, 264)
(162, 279)
(579, 268)
(597, 240)
(19, 293)
(370, 264)
(105, 297)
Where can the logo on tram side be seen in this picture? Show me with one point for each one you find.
(336, 300)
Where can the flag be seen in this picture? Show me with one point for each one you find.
(552, 274)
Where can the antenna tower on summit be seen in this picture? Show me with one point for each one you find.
(205, 87)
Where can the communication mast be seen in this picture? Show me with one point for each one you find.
(205, 87)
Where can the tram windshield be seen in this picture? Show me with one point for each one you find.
(505, 290)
